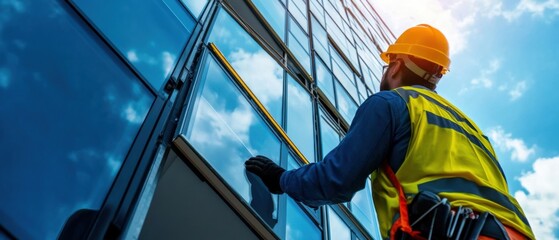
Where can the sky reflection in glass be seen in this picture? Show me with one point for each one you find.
(324, 79)
(338, 229)
(328, 136)
(363, 209)
(262, 74)
(149, 34)
(226, 130)
(70, 112)
(298, 43)
(195, 6)
(300, 118)
(299, 225)
(346, 105)
(320, 40)
(274, 12)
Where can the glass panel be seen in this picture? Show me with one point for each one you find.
(299, 35)
(342, 71)
(303, 57)
(226, 130)
(274, 12)
(363, 209)
(298, 43)
(151, 35)
(362, 90)
(195, 6)
(262, 74)
(346, 105)
(298, 9)
(299, 225)
(300, 118)
(320, 40)
(338, 229)
(317, 9)
(328, 136)
(346, 81)
(70, 112)
(293, 164)
(324, 79)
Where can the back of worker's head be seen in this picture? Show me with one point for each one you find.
(423, 50)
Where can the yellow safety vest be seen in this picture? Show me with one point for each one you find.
(449, 155)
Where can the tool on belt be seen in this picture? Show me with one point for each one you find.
(430, 217)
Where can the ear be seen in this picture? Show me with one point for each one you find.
(394, 70)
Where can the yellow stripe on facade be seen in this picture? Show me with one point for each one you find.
(213, 48)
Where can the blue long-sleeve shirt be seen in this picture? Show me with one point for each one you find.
(380, 131)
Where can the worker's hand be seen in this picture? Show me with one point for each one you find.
(267, 170)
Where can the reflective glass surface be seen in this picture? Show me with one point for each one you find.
(298, 9)
(346, 105)
(337, 228)
(362, 90)
(274, 12)
(363, 209)
(195, 6)
(324, 79)
(344, 73)
(299, 225)
(298, 43)
(226, 130)
(300, 118)
(299, 35)
(317, 9)
(320, 40)
(70, 112)
(328, 136)
(149, 34)
(262, 74)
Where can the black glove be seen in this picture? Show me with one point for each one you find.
(267, 170)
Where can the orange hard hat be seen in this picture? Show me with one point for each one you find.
(422, 41)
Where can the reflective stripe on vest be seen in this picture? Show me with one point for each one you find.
(449, 155)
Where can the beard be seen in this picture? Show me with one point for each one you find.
(384, 83)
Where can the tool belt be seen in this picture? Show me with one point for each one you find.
(431, 217)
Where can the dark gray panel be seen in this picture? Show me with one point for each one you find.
(243, 10)
(184, 207)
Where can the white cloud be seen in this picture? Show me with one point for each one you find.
(168, 62)
(224, 126)
(261, 73)
(485, 78)
(16, 5)
(133, 111)
(132, 56)
(518, 90)
(4, 78)
(113, 163)
(540, 203)
(455, 19)
(531, 7)
(517, 148)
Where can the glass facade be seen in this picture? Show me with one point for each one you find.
(90, 99)
(70, 113)
(226, 131)
(150, 35)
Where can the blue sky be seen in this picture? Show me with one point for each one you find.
(504, 67)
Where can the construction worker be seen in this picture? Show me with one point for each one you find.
(411, 142)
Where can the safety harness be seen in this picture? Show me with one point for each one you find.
(401, 223)
(462, 223)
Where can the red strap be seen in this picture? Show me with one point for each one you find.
(402, 222)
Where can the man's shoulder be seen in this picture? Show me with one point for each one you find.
(386, 95)
(387, 98)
